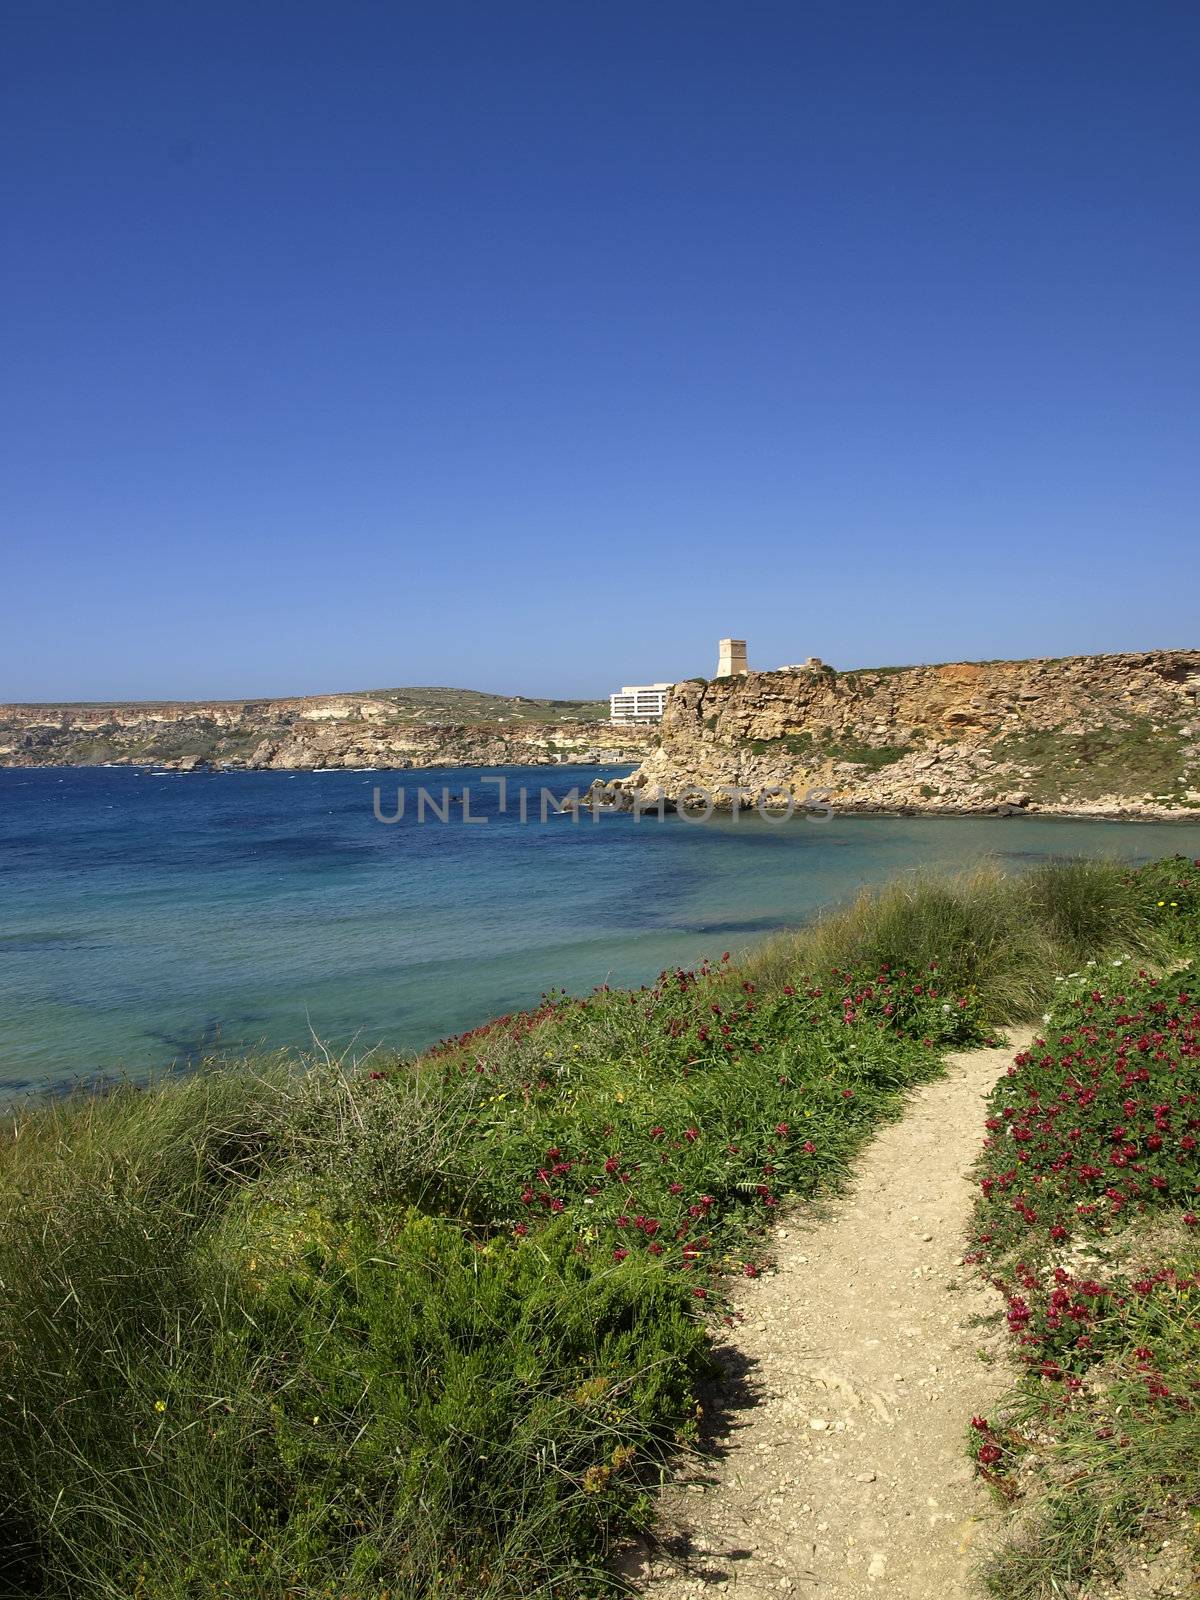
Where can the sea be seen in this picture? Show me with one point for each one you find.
(151, 919)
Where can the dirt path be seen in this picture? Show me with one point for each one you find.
(840, 1468)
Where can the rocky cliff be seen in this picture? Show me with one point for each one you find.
(1114, 735)
(400, 728)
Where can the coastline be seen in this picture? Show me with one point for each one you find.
(991, 811)
(619, 796)
(599, 1186)
(1105, 811)
(152, 919)
(410, 728)
(1115, 736)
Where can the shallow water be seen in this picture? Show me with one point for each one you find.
(146, 919)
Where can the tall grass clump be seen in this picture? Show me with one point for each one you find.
(102, 1308)
(436, 1327)
(1092, 909)
(1004, 937)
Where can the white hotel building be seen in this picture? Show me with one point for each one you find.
(639, 703)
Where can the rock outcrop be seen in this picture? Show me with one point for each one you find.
(369, 730)
(1113, 735)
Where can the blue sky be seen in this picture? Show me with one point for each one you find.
(532, 347)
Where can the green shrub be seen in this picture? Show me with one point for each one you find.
(471, 1414)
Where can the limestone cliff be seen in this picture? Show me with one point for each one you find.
(399, 728)
(1113, 735)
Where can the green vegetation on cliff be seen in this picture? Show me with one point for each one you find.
(1132, 755)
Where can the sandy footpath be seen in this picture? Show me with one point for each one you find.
(838, 1465)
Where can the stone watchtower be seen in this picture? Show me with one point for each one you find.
(732, 658)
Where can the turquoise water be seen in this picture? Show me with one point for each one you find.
(145, 919)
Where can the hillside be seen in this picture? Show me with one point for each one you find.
(1097, 735)
(418, 727)
(440, 705)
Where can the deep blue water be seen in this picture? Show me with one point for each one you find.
(145, 919)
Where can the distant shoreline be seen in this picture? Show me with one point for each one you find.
(1144, 814)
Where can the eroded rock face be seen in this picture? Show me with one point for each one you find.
(1115, 735)
(299, 734)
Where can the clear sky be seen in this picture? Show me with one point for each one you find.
(533, 346)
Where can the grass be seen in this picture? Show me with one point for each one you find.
(438, 1327)
(1133, 757)
(1003, 937)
